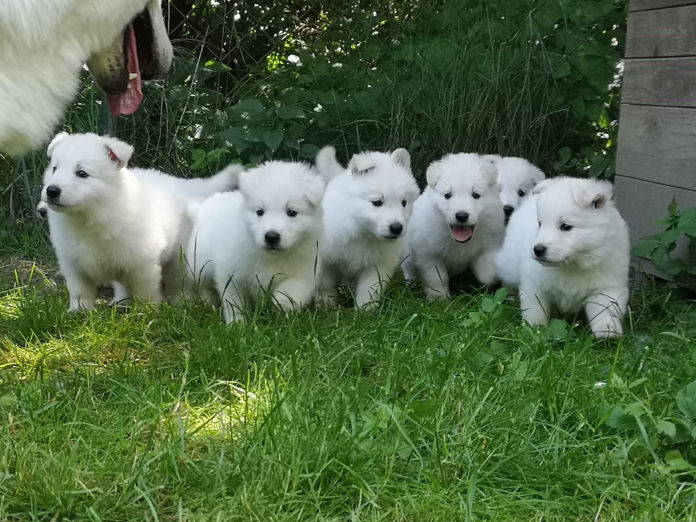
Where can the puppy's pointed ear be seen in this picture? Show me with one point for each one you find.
(432, 174)
(245, 180)
(537, 175)
(314, 189)
(541, 186)
(490, 171)
(117, 151)
(595, 194)
(402, 157)
(360, 165)
(55, 141)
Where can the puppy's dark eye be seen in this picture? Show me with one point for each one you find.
(377, 202)
(259, 212)
(565, 227)
(81, 174)
(54, 169)
(539, 223)
(475, 195)
(403, 202)
(291, 212)
(521, 193)
(448, 195)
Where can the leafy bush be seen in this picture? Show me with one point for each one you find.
(254, 81)
(660, 248)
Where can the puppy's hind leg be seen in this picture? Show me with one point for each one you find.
(605, 311)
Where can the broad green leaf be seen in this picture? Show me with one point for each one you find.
(686, 401)
(309, 150)
(488, 304)
(687, 222)
(250, 105)
(645, 248)
(290, 112)
(621, 420)
(666, 427)
(670, 236)
(273, 139)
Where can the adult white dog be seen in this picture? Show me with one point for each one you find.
(262, 238)
(567, 248)
(516, 179)
(457, 222)
(111, 224)
(45, 43)
(366, 211)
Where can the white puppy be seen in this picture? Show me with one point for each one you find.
(262, 238)
(44, 45)
(457, 222)
(567, 248)
(516, 179)
(366, 212)
(108, 225)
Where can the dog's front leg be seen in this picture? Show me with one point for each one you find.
(232, 300)
(294, 293)
(483, 267)
(369, 287)
(144, 283)
(535, 306)
(605, 310)
(327, 287)
(435, 281)
(82, 290)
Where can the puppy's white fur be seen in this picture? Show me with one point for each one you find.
(229, 254)
(585, 266)
(457, 222)
(110, 224)
(516, 179)
(366, 211)
(44, 45)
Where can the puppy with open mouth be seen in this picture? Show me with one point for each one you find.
(457, 222)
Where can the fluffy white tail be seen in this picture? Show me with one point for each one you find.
(327, 165)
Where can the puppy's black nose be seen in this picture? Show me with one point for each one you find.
(462, 217)
(396, 228)
(539, 250)
(272, 238)
(52, 191)
(508, 210)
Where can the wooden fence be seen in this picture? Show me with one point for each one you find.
(657, 126)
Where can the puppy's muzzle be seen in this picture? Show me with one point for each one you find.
(540, 251)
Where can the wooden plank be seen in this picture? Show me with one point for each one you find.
(641, 5)
(661, 33)
(658, 144)
(641, 203)
(661, 81)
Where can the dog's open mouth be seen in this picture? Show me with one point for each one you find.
(462, 233)
(142, 52)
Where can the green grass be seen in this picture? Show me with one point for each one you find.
(412, 412)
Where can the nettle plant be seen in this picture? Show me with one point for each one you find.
(667, 437)
(660, 248)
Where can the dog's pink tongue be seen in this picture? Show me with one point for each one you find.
(462, 233)
(128, 102)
